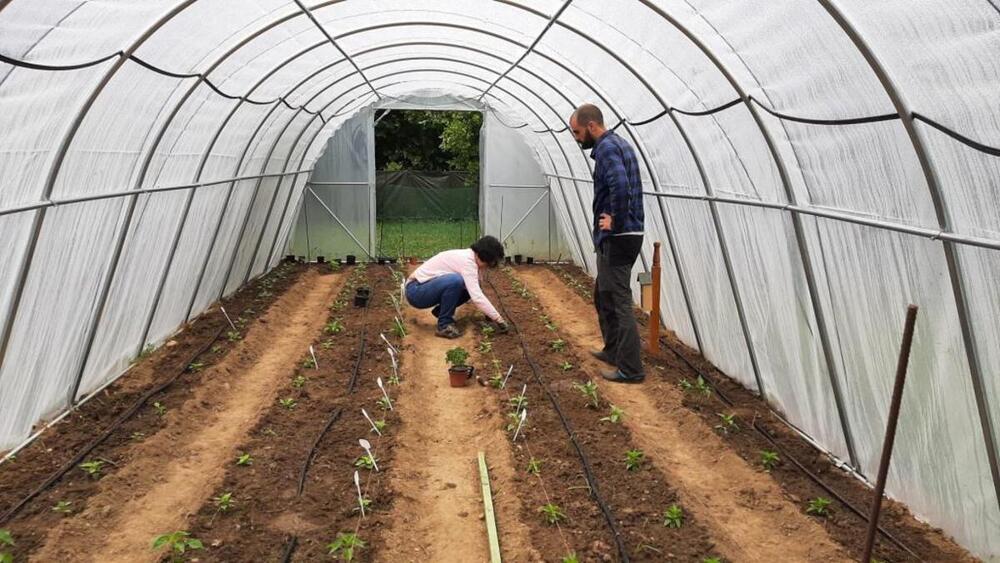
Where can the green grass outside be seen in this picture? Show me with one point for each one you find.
(423, 239)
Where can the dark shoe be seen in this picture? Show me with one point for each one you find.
(603, 356)
(617, 376)
(436, 311)
(449, 331)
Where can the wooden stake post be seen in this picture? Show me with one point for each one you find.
(654, 314)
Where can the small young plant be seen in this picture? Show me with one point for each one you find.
(513, 419)
(365, 502)
(711, 560)
(685, 385)
(615, 417)
(365, 462)
(485, 347)
(496, 381)
(728, 424)
(558, 345)
(224, 502)
(345, 545)
(147, 350)
(534, 466)
(327, 344)
(633, 459)
(6, 540)
(287, 403)
(309, 363)
(233, 335)
(398, 328)
(92, 468)
(552, 514)
(703, 387)
(589, 392)
(487, 331)
(216, 349)
(571, 558)
(551, 326)
(518, 402)
(299, 381)
(138, 436)
(334, 326)
(379, 425)
(177, 544)
(195, 366)
(244, 459)
(769, 459)
(63, 507)
(393, 379)
(820, 506)
(457, 356)
(566, 366)
(673, 517)
(384, 403)
(160, 409)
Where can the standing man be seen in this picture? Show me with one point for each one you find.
(618, 231)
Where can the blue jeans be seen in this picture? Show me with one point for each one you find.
(443, 293)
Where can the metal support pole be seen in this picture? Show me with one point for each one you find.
(890, 430)
(951, 255)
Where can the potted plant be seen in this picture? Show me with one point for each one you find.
(459, 372)
(361, 296)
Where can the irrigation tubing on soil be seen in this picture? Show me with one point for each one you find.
(584, 461)
(293, 540)
(124, 417)
(784, 453)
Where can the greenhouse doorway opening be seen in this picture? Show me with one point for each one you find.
(427, 181)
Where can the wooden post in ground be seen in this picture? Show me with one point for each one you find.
(654, 314)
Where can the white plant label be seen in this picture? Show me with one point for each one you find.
(392, 349)
(524, 415)
(510, 370)
(384, 394)
(361, 498)
(223, 309)
(368, 450)
(524, 390)
(313, 354)
(369, 419)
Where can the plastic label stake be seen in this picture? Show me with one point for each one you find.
(509, 371)
(384, 394)
(524, 415)
(368, 450)
(313, 354)
(223, 309)
(361, 498)
(524, 390)
(392, 349)
(369, 419)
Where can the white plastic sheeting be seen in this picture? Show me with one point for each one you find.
(823, 164)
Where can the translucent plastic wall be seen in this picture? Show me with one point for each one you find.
(812, 168)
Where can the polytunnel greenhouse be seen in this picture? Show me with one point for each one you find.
(207, 354)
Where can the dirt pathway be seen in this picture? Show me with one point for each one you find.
(745, 510)
(438, 513)
(170, 474)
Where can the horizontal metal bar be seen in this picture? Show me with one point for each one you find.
(589, 180)
(932, 234)
(365, 183)
(521, 186)
(126, 193)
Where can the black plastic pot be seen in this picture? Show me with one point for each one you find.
(351, 259)
(506, 260)
(518, 258)
(289, 258)
(531, 259)
(361, 296)
(321, 259)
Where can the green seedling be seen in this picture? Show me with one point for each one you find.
(299, 381)
(496, 381)
(138, 436)
(456, 356)
(728, 425)
(558, 345)
(379, 424)
(551, 326)
(485, 347)
(344, 546)
(397, 328)
(334, 326)
(673, 517)
(160, 409)
(393, 379)
(216, 348)
(327, 344)
(552, 514)
(177, 544)
(633, 459)
(711, 560)
(244, 459)
(365, 462)
(819, 506)
(224, 502)
(384, 403)
(288, 403)
(233, 335)
(589, 392)
(566, 366)
(615, 417)
(534, 466)
(309, 363)
(146, 351)
(685, 385)
(365, 502)
(196, 366)
(571, 558)
(703, 386)
(513, 419)
(63, 507)
(6, 540)
(264, 294)
(518, 402)
(488, 331)
(92, 468)
(769, 459)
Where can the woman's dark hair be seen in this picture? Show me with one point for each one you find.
(489, 250)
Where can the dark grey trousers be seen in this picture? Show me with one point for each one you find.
(613, 301)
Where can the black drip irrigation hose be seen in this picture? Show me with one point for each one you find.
(784, 453)
(584, 461)
(293, 540)
(122, 418)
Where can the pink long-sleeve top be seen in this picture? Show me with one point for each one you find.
(463, 262)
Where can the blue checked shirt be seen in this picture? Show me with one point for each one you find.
(617, 187)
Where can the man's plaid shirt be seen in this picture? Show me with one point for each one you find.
(617, 187)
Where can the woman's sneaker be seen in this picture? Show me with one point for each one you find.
(449, 331)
